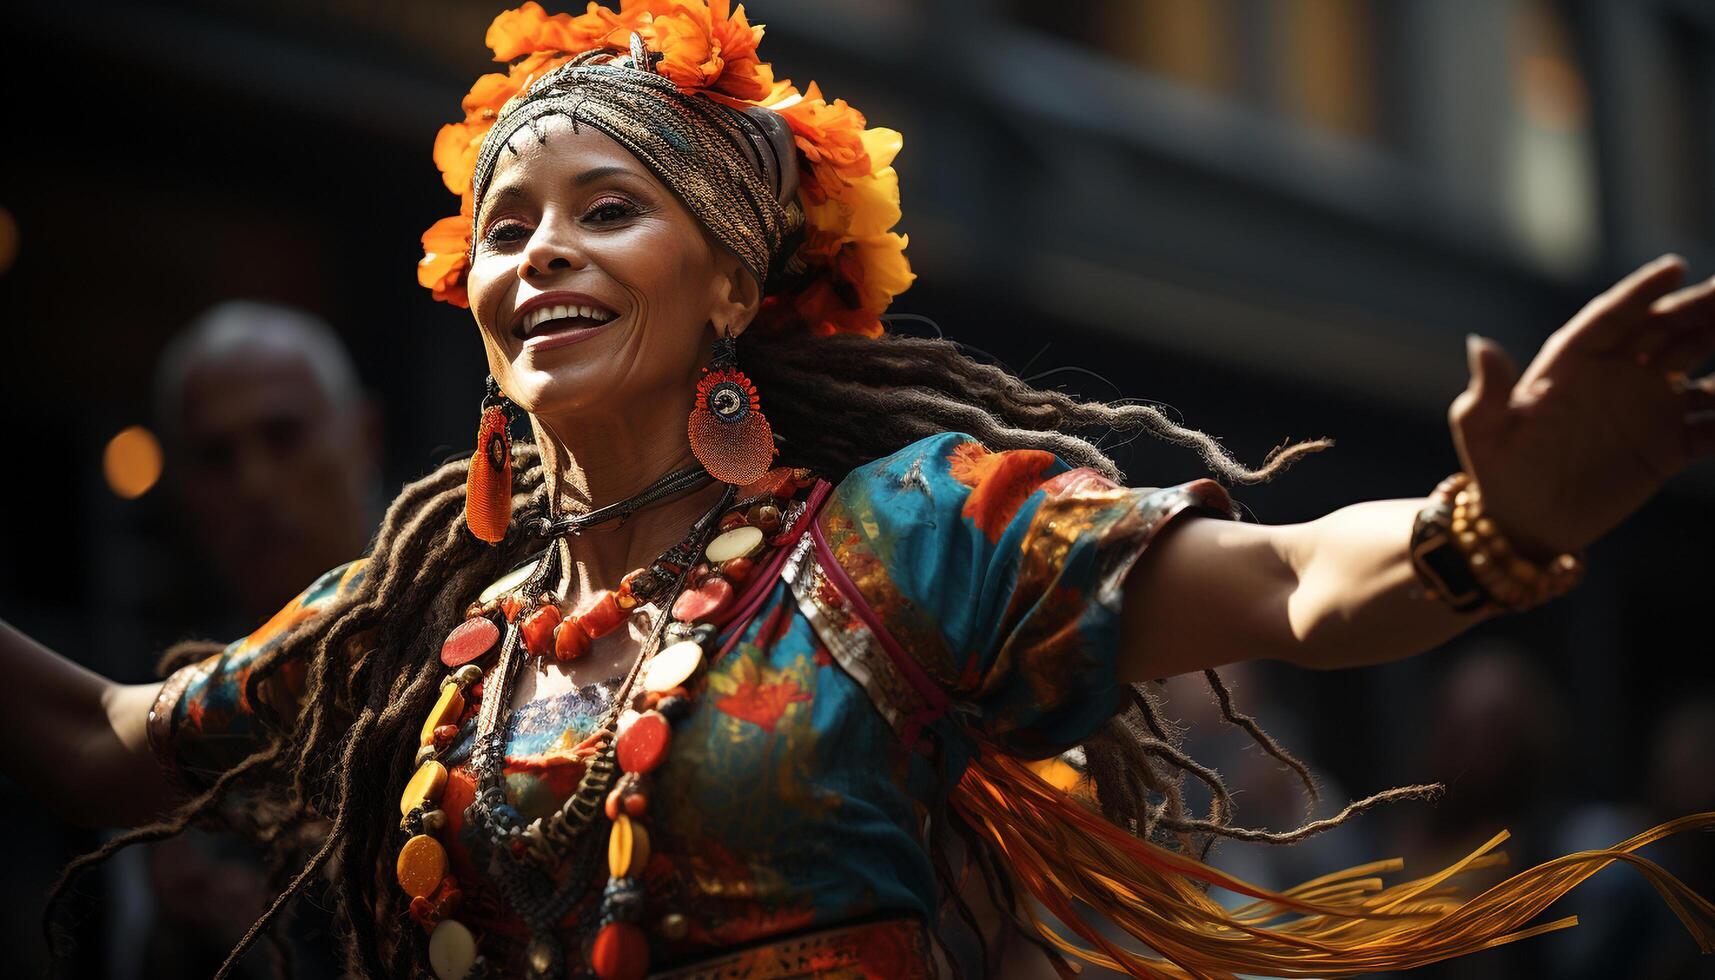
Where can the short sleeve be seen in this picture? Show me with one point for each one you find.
(1001, 575)
(203, 722)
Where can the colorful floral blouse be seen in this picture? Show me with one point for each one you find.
(795, 791)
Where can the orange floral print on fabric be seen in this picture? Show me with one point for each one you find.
(1000, 482)
(750, 696)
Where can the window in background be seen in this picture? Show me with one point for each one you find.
(1549, 158)
(1193, 44)
(1326, 57)
(1313, 61)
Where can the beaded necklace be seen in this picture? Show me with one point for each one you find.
(542, 868)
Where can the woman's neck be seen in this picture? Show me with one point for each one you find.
(606, 464)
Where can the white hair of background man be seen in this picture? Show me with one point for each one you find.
(253, 326)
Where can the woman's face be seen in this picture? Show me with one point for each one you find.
(592, 284)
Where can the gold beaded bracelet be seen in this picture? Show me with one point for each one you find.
(1511, 581)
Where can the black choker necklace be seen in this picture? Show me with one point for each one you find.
(674, 483)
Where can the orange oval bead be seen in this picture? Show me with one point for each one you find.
(421, 866)
(603, 617)
(538, 630)
(511, 606)
(570, 641)
(620, 952)
(424, 788)
(737, 569)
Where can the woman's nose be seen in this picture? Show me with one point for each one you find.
(552, 248)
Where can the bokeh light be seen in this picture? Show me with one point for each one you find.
(132, 462)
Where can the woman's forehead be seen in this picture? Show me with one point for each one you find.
(552, 154)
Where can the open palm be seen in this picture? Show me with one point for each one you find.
(1602, 417)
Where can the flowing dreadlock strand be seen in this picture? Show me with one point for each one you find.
(1236, 717)
(909, 387)
(175, 823)
(372, 674)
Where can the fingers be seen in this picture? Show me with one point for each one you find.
(1685, 318)
(1483, 405)
(1689, 349)
(1493, 375)
(1697, 397)
(1607, 322)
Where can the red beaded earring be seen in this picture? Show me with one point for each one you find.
(488, 489)
(729, 434)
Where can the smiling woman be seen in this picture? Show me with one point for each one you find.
(706, 694)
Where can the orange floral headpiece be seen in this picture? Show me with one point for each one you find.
(845, 265)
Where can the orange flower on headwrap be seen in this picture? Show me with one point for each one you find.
(706, 48)
(530, 29)
(446, 254)
(830, 137)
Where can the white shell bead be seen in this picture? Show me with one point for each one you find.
(506, 583)
(452, 950)
(672, 666)
(740, 542)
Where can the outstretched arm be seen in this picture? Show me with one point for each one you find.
(1335, 592)
(1601, 418)
(75, 740)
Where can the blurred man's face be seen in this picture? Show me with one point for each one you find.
(272, 474)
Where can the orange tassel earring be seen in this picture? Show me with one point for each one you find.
(729, 434)
(488, 489)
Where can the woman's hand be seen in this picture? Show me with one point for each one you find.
(1601, 418)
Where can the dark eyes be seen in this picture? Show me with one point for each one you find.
(606, 211)
(609, 210)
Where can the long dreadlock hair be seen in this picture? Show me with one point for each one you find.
(368, 685)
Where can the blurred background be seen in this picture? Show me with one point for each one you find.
(1280, 217)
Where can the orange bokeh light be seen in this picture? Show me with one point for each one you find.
(132, 462)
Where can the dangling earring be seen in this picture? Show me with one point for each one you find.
(729, 434)
(488, 490)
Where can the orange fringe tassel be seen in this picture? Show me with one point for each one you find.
(1337, 925)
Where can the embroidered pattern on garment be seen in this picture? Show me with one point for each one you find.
(849, 640)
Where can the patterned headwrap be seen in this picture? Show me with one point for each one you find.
(793, 185)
